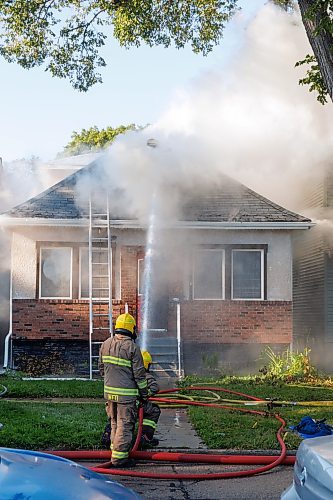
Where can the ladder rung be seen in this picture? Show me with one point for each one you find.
(95, 371)
(94, 357)
(100, 314)
(103, 249)
(100, 239)
(100, 288)
(100, 263)
(96, 276)
(99, 343)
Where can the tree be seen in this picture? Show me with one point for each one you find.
(94, 139)
(317, 18)
(67, 35)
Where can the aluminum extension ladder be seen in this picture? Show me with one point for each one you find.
(100, 276)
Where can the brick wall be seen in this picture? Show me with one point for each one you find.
(129, 274)
(235, 322)
(57, 319)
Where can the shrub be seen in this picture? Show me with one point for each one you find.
(288, 364)
(51, 364)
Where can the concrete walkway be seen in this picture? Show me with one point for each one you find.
(174, 431)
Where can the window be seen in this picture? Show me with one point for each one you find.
(100, 268)
(84, 273)
(208, 274)
(55, 273)
(247, 274)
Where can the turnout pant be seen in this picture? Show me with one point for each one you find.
(123, 417)
(151, 414)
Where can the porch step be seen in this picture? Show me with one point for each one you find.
(163, 348)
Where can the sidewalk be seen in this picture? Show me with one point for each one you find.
(175, 431)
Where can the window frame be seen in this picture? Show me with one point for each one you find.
(81, 248)
(210, 249)
(53, 247)
(262, 273)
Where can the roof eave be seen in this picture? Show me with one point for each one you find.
(135, 224)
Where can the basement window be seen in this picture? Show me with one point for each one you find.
(247, 274)
(208, 274)
(55, 280)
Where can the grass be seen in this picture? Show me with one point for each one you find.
(232, 430)
(18, 388)
(39, 426)
(48, 425)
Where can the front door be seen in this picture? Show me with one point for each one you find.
(157, 290)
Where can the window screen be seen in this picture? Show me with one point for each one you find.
(208, 274)
(55, 272)
(247, 274)
(100, 268)
(84, 273)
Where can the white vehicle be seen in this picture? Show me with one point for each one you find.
(313, 471)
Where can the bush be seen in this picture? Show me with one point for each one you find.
(51, 364)
(289, 364)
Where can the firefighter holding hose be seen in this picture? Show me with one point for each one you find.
(121, 365)
(151, 411)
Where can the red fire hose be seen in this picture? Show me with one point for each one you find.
(267, 462)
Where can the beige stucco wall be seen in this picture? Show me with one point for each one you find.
(279, 255)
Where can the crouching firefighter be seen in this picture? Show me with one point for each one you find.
(121, 365)
(151, 411)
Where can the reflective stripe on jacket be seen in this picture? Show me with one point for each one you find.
(121, 364)
(153, 386)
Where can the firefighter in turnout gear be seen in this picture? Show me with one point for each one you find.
(151, 411)
(121, 365)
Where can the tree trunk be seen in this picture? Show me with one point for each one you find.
(322, 44)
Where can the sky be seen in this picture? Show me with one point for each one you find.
(39, 113)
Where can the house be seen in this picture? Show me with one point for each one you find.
(313, 276)
(221, 277)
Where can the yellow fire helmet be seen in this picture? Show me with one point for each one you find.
(147, 359)
(125, 322)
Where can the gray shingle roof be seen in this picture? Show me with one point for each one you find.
(229, 201)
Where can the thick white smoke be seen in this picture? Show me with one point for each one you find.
(252, 120)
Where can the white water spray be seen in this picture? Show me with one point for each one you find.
(147, 275)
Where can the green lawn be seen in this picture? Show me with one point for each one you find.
(18, 388)
(51, 426)
(232, 430)
(43, 425)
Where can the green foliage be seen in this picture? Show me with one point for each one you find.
(67, 35)
(34, 366)
(313, 78)
(94, 139)
(51, 426)
(321, 14)
(289, 364)
(288, 5)
(19, 388)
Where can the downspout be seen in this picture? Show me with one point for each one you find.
(180, 371)
(6, 357)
